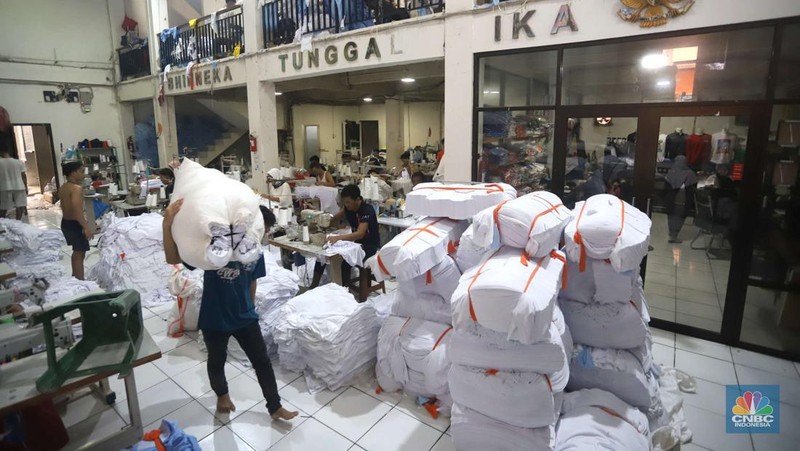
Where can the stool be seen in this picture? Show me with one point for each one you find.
(364, 286)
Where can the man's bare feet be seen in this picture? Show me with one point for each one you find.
(225, 405)
(283, 414)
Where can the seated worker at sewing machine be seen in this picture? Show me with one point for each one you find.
(277, 190)
(363, 224)
(324, 178)
(74, 226)
(406, 166)
(418, 177)
(167, 177)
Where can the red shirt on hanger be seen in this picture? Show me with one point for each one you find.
(698, 149)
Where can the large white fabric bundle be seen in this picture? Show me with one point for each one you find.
(606, 227)
(470, 253)
(456, 201)
(417, 249)
(521, 399)
(430, 307)
(187, 286)
(412, 355)
(32, 246)
(273, 291)
(68, 289)
(473, 431)
(625, 373)
(374, 188)
(618, 325)
(510, 294)
(132, 256)
(327, 334)
(441, 280)
(220, 220)
(533, 222)
(598, 283)
(51, 272)
(596, 419)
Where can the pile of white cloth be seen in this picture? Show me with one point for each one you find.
(32, 246)
(470, 253)
(274, 290)
(596, 419)
(70, 288)
(472, 430)
(456, 201)
(328, 335)
(132, 256)
(51, 272)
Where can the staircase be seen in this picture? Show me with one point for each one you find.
(219, 146)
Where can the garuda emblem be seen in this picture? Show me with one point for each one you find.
(653, 13)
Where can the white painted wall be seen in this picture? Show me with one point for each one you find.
(137, 10)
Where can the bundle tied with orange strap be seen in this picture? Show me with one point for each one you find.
(606, 227)
(428, 296)
(417, 249)
(456, 201)
(511, 294)
(472, 430)
(533, 222)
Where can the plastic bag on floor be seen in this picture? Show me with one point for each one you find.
(521, 399)
(509, 294)
(606, 227)
(456, 201)
(670, 429)
(617, 326)
(533, 222)
(417, 249)
(220, 220)
(596, 419)
(167, 437)
(472, 430)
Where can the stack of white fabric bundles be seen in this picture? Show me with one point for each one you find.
(412, 356)
(32, 246)
(606, 227)
(470, 253)
(417, 249)
(596, 419)
(472, 430)
(456, 201)
(328, 335)
(274, 290)
(428, 296)
(533, 222)
(220, 219)
(132, 256)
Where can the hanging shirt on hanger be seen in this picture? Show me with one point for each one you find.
(675, 145)
(698, 149)
(723, 145)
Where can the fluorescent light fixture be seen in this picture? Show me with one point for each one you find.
(368, 99)
(278, 93)
(407, 80)
(654, 61)
(663, 83)
(491, 92)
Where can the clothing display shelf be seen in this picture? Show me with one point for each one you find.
(103, 160)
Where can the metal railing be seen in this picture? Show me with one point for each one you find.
(285, 21)
(215, 36)
(134, 62)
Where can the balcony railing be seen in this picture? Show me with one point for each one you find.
(134, 62)
(286, 21)
(215, 36)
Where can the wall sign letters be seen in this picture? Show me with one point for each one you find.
(329, 56)
(519, 23)
(198, 78)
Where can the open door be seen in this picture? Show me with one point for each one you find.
(35, 146)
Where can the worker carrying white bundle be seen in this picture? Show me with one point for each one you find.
(606, 227)
(533, 222)
(456, 201)
(219, 221)
(596, 419)
(510, 294)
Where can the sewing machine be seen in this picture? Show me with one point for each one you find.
(134, 193)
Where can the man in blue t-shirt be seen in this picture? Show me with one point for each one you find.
(363, 224)
(228, 310)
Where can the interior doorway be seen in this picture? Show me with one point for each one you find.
(311, 142)
(35, 149)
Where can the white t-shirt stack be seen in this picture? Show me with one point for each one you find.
(510, 345)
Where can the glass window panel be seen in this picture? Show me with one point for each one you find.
(730, 65)
(523, 79)
(788, 79)
(516, 147)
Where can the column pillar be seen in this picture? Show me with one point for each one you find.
(253, 28)
(158, 14)
(395, 136)
(263, 120)
(458, 70)
(166, 131)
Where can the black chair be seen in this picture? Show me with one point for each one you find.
(706, 221)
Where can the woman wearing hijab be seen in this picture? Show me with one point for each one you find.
(680, 176)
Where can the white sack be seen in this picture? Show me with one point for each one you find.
(510, 294)
(671, 428)
(596, 419)
(533, 222)
(472, 431)
(598, 283)
(604, 233)
(625, 373)
(219, 221)
(430, 307)
(521, 399)
(456, 201)
(617, 325)
(470, 253)
(417, 249)
(441, 280)
(187, 286)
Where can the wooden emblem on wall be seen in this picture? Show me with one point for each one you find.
(653, 13)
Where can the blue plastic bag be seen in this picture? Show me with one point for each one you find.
(172, 437)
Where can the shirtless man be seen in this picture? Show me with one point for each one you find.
(73, 225)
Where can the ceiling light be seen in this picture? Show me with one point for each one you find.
(407, 80)
(654, 61)
(663, 83)
(491, 92)
(278, 93)
(368, 99)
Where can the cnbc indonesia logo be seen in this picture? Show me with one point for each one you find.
(755, 410)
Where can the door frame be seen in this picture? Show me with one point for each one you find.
(49, 129)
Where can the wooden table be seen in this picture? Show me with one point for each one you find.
(6, 247)
(18, 390)
(311, 250)
(6, 272)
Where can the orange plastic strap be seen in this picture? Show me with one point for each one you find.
(422, 229)
(404, 327)
(378, 390)
(441, 337)
(523, 258)
(155, 436)
(382, 266)
(469, 289)
(182, 306)
(634, 306)
(496, 214)
(428, 278)
(622, 226)
(432, 409)
(491, 372)
(536, 218)
(452, 247)
(533, 273)
(557, 256)
(549, 384)
(579, 240)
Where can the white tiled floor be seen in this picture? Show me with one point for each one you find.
(176, 388)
